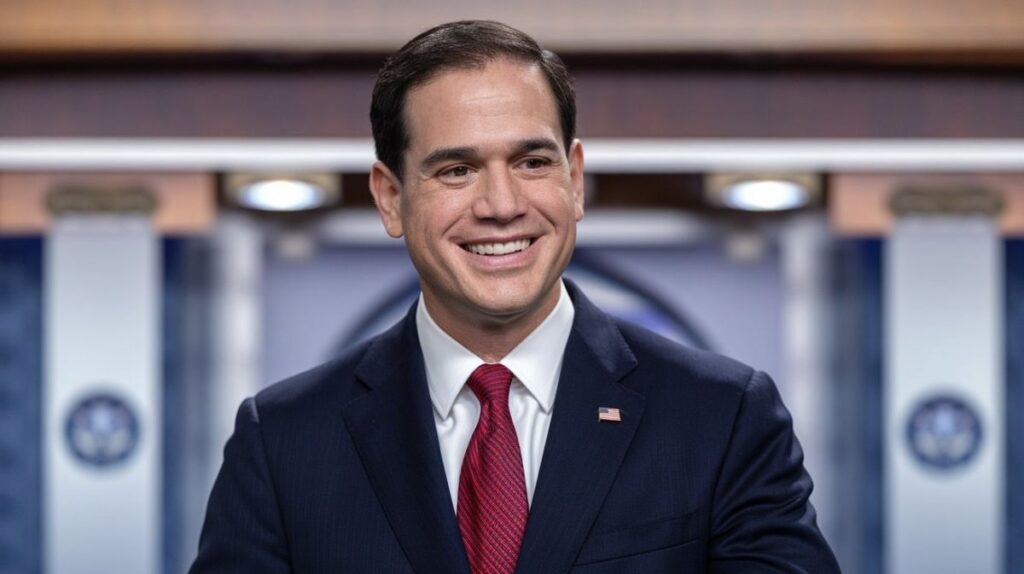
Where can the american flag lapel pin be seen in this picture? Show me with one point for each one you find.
(609, 415)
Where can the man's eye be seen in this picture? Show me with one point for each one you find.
(456, 171)
(535, 163)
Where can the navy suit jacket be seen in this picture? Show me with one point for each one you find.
(339, 470)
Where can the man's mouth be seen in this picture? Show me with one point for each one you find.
(498, 248)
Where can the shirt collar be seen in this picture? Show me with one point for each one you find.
(536, 362)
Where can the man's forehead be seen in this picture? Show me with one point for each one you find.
(497, 71)
(500, 86)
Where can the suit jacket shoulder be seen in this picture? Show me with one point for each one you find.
(714, 372)
(319, 394)
(328, 385)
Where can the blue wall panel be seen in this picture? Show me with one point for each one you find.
(173, 302)
(20, 405)
(1015, 405)
(857, 411)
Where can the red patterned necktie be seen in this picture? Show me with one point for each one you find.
(492, 506)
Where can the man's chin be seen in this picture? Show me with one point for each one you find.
(503, 311)
(510, 307)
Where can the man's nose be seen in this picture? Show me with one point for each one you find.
(500, 196)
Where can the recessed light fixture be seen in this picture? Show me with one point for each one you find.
(283, 192)
(763, 192)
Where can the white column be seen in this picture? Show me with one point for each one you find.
(102, 396)
(806, 384)
(237, 326)
(943, 397)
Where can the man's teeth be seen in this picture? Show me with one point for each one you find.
(498, 248)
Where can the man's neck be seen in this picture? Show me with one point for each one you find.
(491, 337)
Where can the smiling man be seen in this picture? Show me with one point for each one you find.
(487, 196)
(506, 424)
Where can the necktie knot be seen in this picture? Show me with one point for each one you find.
(490, 383)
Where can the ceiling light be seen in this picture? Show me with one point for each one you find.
(283, 192)
(763, 192)
(765, 195)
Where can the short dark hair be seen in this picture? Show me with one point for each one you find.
(457, 45)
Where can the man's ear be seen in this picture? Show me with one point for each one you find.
(387, 195)
(576, 176)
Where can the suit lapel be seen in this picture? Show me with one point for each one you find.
(393, 429)
(582, 455)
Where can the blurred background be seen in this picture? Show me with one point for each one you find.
(832, 192)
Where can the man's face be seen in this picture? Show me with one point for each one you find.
(490, 198)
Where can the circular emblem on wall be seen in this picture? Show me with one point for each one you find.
(944, 432)
(102, 430)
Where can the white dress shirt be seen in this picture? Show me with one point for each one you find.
(535, 363)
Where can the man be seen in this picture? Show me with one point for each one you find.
(506, 424)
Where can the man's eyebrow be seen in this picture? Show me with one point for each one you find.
(449, 154)
(534, 144)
